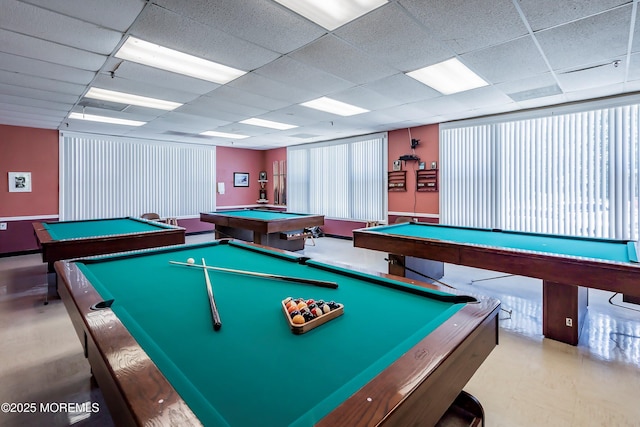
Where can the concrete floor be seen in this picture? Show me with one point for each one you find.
(526, 381)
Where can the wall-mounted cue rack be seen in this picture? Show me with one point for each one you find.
(427, 180)
(397, 181)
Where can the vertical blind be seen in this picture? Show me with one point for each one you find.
(107, 176)
(573, 173)
(343, 179)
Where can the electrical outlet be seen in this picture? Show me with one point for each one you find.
(3, 225)
(569, 321)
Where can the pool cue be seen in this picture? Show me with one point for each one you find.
(217, 323)
(320, 283)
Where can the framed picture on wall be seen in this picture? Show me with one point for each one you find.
(240, 179)
(20, 182)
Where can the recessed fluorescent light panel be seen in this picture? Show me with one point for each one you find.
(127, 98)
(104, 119)
(268, 124)
(224, 135)
(157, 56)
(331, 14)
(448, 77)
(336, 107)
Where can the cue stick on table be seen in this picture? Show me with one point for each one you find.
(320, 283)
(217, 324)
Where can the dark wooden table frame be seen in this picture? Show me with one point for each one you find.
(417, 389)
(56, 250)
(270, 232)
(565, 279)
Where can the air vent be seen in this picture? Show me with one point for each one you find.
(185, 134)
(540, 92)
(304, 135)
(104, 105)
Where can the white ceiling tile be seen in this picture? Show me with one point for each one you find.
(114, 14)
(339, 58)
(262, 21)
(25, 92)
(591, 78)
(290, 59)
(295, 73)
(23, 80)
(157, 25)
(34, 67)
(541, 14)
(465, 25)
(57, 28)
(587, 41)
(402, 88)
(393, 36)
(255, 83)
(522, 54)
(146, 88)
(231, 95)
(364, 98)
(30, 47)
(161, 78)
(33, 102)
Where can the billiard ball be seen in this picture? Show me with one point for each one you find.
(326, 308)
(316, 311)
(298, 319)
(191, 261)
(308, 316)
(294, 313)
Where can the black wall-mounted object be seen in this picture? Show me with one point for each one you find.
(406, 157)
(414, 143)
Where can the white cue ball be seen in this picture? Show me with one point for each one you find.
(191, 261)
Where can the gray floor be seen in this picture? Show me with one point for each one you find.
(526, 381)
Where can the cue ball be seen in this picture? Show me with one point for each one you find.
(191, 261)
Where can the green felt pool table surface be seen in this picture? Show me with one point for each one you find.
(260, 214)
(100, 227)
(603, 249)
(254, 370)
(75, 239)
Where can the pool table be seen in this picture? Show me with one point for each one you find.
(400, 353)
(283, 230)
(75, 239)
(567, 265)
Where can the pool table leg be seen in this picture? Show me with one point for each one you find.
(630, 299)
(52, 284)
(425, 270)
(564, 308)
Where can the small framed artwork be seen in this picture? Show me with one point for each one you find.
(434, 165)
(397, 165)
(240, 179)
(263, 176)
(421, 165)
(20, 182)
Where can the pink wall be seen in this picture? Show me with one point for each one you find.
(412, 201)
(27, 150)
(270, 156)
(230, 160)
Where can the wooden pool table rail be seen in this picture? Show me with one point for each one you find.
(54, 250)
(418, 387)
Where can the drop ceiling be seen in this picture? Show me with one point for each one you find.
(532, 53)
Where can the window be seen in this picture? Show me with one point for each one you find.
(107, 176)
(562, 172)
(344, 179)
